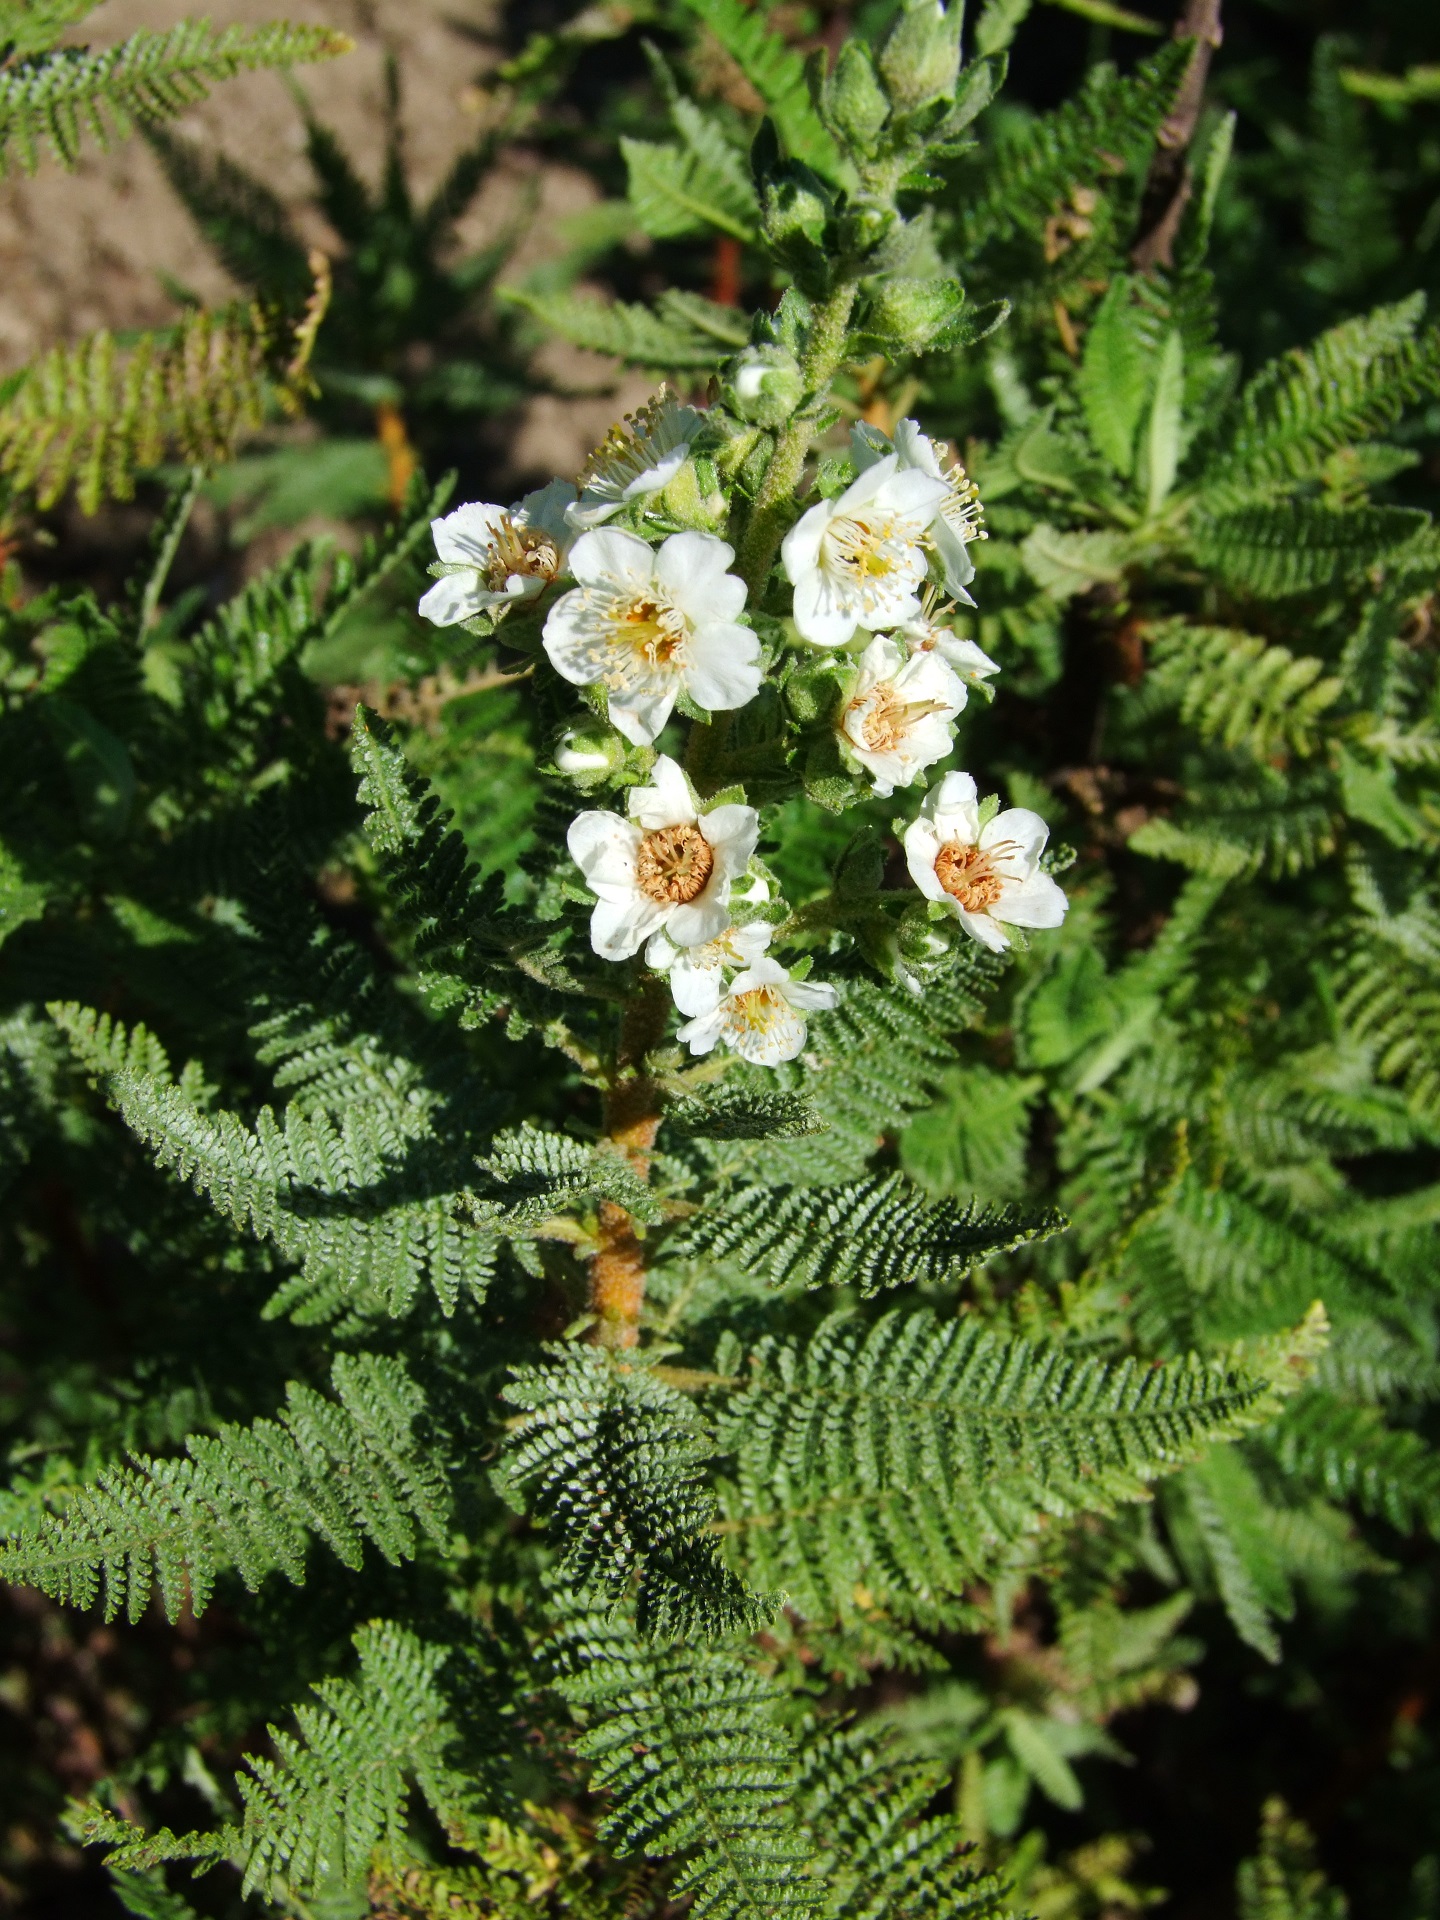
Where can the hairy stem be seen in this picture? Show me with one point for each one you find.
(632, 1119)
(775, 502)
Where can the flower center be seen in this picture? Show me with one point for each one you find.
(758, 1010)
(673, 864)
(964, 873)
(650, 628)
(889, 717)
(523, 550)
(869, 550)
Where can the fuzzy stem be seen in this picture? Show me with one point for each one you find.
(775, 501)
(632, 1119)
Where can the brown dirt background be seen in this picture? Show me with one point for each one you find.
(89, 249)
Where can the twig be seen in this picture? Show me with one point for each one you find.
(1168, 187)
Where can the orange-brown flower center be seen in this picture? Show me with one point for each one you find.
(673, 864)
(964, 872)
(655, 629)
(522, 550)
(890, 717)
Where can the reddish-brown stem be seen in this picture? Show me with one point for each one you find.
(632, 1120)
(1168, 187)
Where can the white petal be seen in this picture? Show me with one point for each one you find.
(641, 715)
(817, 619)
(603, 846)
(733, 832)
(916, 449)
(1035, 902)
(723, 669)
(866, 487)
(654, 479)
(964, 656)
(704, 918)
(912, 493)
(546, 508)
(800, 549)
(591, 510)
(693, 563)
(454, 597)
(697, 987)
(569, 638)
(466, 537)
(953, 554)
(666, 802)
(881, 660)
(765, 973)
(922, 844)
(660, 955)
(954, 809)
(982, 928)
(811, 996)
(1025, 832)
(619, 928)
(701, 1034)
(609, 556)
(749, 943)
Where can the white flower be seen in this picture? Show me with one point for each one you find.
(667, 866)
(965, 660)
(897, 721)
(760, 1018)
(957, 521)
(635, 460)
(500, 554)
(646, 622)
(984, 875)
(858, 561)
(697, 974)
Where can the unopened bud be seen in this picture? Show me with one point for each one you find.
(763, 385)
(911, 315)
(855, 103)
(920, 61)
(588, 755)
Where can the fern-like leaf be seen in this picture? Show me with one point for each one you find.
(870, 1234)
(1237, 690)
(96, 415)
(777, 73)
(689, 1745)
(887, 1464)
(348, 1469)
(337, 1788)
(611, 1456)
(54, 99)
(1353, 384)
(683, 333)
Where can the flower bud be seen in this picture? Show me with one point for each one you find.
(588, 755)
(854, 101)
(920, 60)
(910, 315)
(763, 385)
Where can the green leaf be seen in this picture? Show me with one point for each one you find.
(1065, 563)
(777, 73)
(55, 98)
(1114, 378)
(1163, 434)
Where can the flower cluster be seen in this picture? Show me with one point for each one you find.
(644, 611)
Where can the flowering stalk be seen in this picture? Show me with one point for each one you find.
(773, 507)
(822, 660)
